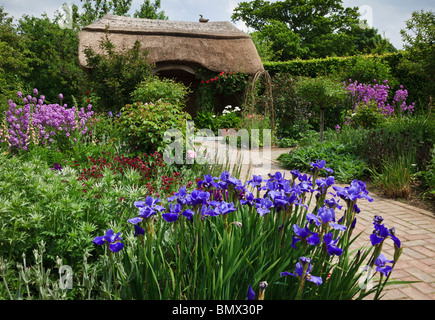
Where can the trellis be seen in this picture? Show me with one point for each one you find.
(250, 93)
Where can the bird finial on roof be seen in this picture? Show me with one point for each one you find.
(202, 19)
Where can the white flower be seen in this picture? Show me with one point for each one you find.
(236, 109)
(228, 107)
(226, 111)
(214, 116)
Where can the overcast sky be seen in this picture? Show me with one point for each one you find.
(388, 16)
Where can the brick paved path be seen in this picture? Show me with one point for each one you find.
(416, 230)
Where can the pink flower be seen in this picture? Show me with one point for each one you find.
(191, 154)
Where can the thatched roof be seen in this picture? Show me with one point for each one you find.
(217, 46)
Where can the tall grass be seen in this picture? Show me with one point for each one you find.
(394, 179)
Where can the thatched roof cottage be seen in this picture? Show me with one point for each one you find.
(217, 46)
(177, 48)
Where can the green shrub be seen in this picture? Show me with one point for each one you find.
(340, 157)
(364, 70)
(144, 125)
(115, 74)
(229, 118)
(325, 95)
(292, 114)
(167, 90)
(206, 120)
(286, 142)
(364, 115)
(414, 134)
(428, 177)
(215, 91)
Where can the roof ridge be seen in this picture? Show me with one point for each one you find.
(130, 24)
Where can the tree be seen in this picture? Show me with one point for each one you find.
(323, 93)
(52, 53)
(307, 28)
(14, 63)
(150, 11)
(419, 42)
(115, 74)
(96, 9)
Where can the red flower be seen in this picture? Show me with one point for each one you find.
(89, 100)
(87, 92)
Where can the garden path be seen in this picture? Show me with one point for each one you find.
(415, 228)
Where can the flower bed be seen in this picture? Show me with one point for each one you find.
(228, 240)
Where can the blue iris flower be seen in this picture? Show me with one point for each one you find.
(208, 210)
(356, 190)
(331, 203)
(263, 206)
(256, 181)
(198, 197)
(331, 244)
(381, 232)
(111, 239)
(251, 294)
(223, 208)
(295, 174)
(271, 185)
(319, 165)
(324, 184)
(305, 235)
(180, 196)
(208, 182)
(249, 199)
(325, 216)
(301, 274)
(173, 214)
(148, 207)
(381, 265)
(305, 184)
(188, 214)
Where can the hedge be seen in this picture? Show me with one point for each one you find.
(401, 73)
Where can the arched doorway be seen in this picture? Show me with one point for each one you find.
(185, 74)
